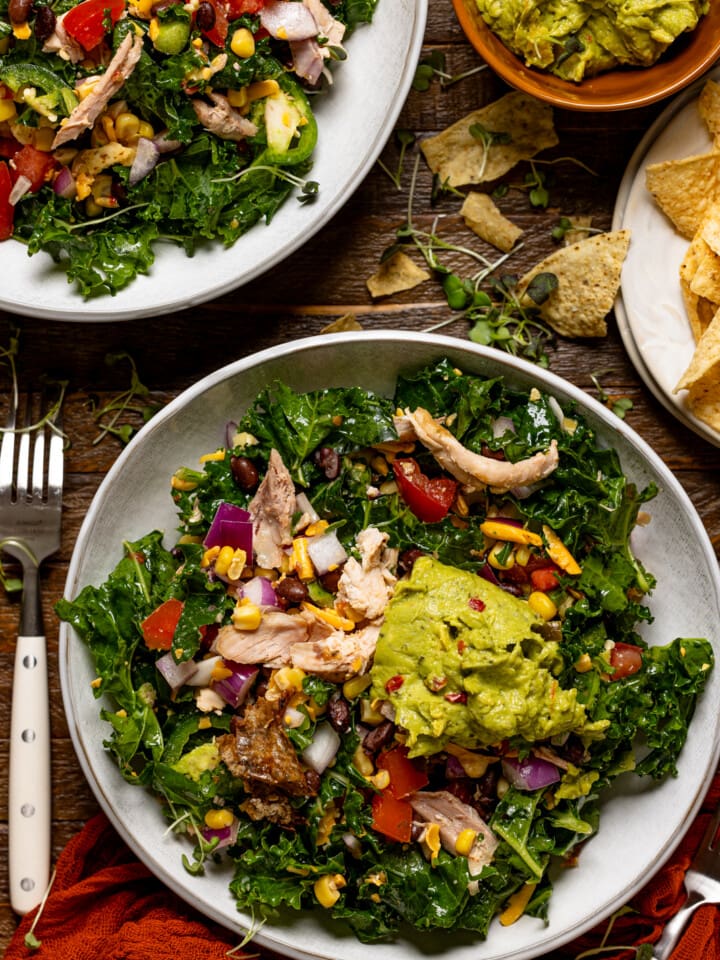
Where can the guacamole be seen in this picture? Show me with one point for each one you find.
(461, 661)
(575, 39)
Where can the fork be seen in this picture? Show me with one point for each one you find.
(702, 882)
(31, 476)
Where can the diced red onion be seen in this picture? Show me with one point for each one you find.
(302, 502)
(353, 844)
(501, 426)
(510, 521)
(230, 431)
(288, 21)
(487, 573)
(308, 60)
(532, 773)
(203, 673)
(64, 184)
(226, 835)
(146, 157)
(322, 750)
(176, 674)
(19, 189)
(163, 144)
(231, 527)
(326, 552)
(235, 688)
(523, 492)
(260, 591)
(454, 770)
(556, 409)
(294, 718)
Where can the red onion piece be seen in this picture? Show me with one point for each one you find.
(501, 426)
(163, 144)
(510, 521)
(326, 552)
(288, 21)
(176, 674)
(308, 60)
(231, 527)
(19, 189)
(454, 770)
(235, 688)
(203, 673)
(532, 773)
(226, 835)
(322, 750)
(260, 591)
(64, 184)
(146, 157)
(302, 501)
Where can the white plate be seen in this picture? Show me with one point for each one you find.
(650, 311)
(355, 119)
(642, 822)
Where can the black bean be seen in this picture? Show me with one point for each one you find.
(205, 16)
(330, 579)
(244, 471)
(378, 737)
(44, 22)
(407, 559)
(339, 713)
(19, 10)
(329, 461)
(291, 589)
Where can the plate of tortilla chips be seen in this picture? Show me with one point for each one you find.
(668, 310)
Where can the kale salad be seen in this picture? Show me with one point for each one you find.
(124, 123)
(393, 658)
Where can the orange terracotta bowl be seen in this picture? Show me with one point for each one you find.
(622, 89)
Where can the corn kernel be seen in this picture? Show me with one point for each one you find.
(154, 29)
(500, 558)
(316, 528)
(96, 683)
(204, 723)
(262, 88)
(217, 455)
(22, 31)
(522, 555)
(583, 663)
(237, 565)
(242, 43)
(381, 779)
(355, 686)
(464, 842)
(506, 531)
(542, 605)
(289, 678)
(8, 110)
(146, 130)
(329, 616)
(226, 557)
(218, 819)
(246, 615)
(430, 841)
(327, 888)
(209, 555)
(220, 671)
(369, 713)
(362, 762)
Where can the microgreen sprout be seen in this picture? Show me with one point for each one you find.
(509, 324)
(487, 138)
(309, 189)
(30, 940)
(434, 66)
(129, 402)
(643, 951)
(404, 140)
(618, 405)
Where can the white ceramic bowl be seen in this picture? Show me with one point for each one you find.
(641, 823)
(355, 119)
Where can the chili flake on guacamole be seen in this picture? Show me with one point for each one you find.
(577, 39)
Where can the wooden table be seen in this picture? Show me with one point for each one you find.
(323, 281)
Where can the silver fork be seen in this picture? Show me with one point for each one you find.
(702, 882)
(31, 477)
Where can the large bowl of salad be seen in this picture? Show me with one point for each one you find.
(156, 155)
(387, 645)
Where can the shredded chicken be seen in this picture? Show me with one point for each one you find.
(88, 110)
(365, 587)
(474, 471)
(339, 655)
(221, 119)
(452, 817)
(269, 644)
(272, 510)
(61, 43)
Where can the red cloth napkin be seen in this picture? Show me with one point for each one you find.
(105, 904)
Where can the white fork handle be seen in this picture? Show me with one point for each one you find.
(675, 926)
(29, 795)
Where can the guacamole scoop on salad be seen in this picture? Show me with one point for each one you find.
(576, 39)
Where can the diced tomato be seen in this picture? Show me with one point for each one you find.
(428, 498)
(9, 146)
(33, 164)
(217, 34)
(625, 659)
(544, 579)
(392, 817)
(236, 8)
(7, 211)
(91, 20)
(159, 627)
(405, 775)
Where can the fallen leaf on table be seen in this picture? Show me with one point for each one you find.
(588, 275)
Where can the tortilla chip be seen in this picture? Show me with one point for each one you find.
(709, 228)
(709, 107)
(705, 281)
(348, 321)
(702, 377)
(458, 158)
(579, 231)
(684, 189)
(588, 274)
(484, 218)
(699, 311)
(397, 273)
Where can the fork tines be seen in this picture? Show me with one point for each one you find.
(31, 452)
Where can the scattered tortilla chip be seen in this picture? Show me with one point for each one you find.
(579, 230)
(702, 377)
(588, 275)
(459, 158)
(397, 273)
(709, 107)
(347, 321)
(483, 217)
(684, 189)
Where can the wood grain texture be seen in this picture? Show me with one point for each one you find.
(322, 281)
